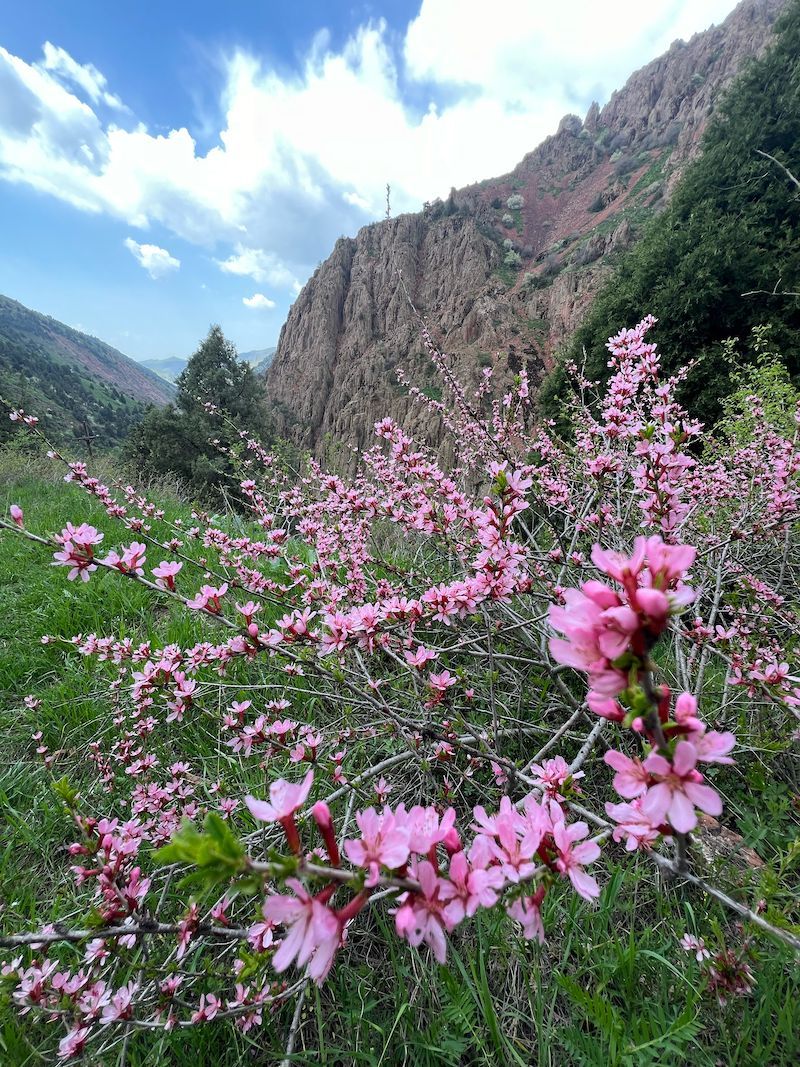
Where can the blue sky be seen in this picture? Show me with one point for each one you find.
(168, 165)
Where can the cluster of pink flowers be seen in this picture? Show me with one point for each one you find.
(609, 632)
(530, 843)
(77, 550)
(424, 659)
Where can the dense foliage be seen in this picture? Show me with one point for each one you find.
(184, 439)
(725, 254)
(495, 698)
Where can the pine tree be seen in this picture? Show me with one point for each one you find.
(178, 439)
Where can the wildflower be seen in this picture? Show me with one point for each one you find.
(679, 788)
(697, 945)
(383, 842)
(573, 857)
(165, 572)
(313, 931)
(285, 799)
(526, 910)
(421, 916)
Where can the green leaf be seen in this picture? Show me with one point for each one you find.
(216, 851)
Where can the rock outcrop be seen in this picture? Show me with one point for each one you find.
(504, 270)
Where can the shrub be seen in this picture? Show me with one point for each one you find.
(515, 202)
(612, 593)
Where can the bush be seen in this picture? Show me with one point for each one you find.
(402, 625)
(515, 202)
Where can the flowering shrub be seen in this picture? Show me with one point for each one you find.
(615, 597)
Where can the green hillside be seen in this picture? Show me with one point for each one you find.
(65, 377)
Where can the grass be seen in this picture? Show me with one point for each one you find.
(610, 986)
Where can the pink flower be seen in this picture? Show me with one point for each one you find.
(426, 828)
(680, 788)
(77, 550)
(208, 599)
(120, 1005)
(526, 910)
(419, 657)
(441, 682)
(420, 918)
(471, 885)
(638, 822)
(553, 775)
(74, 1042)
(685, 712)
(15, 511)
(690, 943)
(383, 842)
(165, 572)
(314, 932)
(667, 563)
(713, 747)
(285, 798)
(618, 566)
(572, 858)
(631, 779)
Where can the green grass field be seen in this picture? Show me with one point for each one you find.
(611, 985)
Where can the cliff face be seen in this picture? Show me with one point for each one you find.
(503, 270)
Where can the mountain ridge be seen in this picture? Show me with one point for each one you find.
(506, 265)
(66, 377)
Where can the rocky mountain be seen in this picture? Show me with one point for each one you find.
(504, 270)
(65, 377)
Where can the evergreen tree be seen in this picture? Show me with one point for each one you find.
(732, 228)
(178, 439)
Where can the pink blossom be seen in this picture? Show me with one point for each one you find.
(15, 511)
(384, 842)
(420, 918)
(526, 910)
(554, 775)
(471, 885)
(713, 747)
(631, 779)
(441, 682)
(680, 788)
(313, 935)
(285, 798)
(573, 857)
(639, 822)
(165, 573)
(73, 1043)
(419, 657)
(697, 945)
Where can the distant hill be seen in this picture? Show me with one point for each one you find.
(259, 359)
(65, 377)
(168, 368)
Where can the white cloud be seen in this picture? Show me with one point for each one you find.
(300, 159)
(259, 265)
(258, 302)
(523, 51)
(156, 261)
(84, 76)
